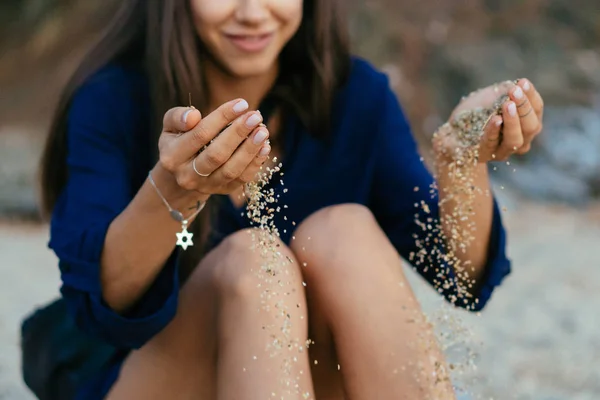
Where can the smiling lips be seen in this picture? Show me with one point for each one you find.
(251, 43)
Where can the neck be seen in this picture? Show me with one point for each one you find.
(223, 87)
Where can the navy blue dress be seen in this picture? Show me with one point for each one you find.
(371, 158)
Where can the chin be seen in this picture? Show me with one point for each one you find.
(249, 68)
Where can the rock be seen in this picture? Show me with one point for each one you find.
(20, 151)
(564, 164)
(571, 139)
(543, 181)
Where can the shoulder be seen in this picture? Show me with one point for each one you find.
(116, 93)
(367, 90)
(365, 82)
(114, 79)
(365, 72)
(366, 99)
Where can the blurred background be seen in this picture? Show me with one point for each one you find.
(540, 336)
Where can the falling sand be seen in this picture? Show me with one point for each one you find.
(436, 250)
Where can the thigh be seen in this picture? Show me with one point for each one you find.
(385, 347)
(318, 242)
(350, 264)
(324, 364)
(222, 320)
(180, 361)
(345, 252)
(263, 325)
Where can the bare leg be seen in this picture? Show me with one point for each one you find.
(180, 362)
(261, 317)
(327, 378)
(207, 351)
(354, 278)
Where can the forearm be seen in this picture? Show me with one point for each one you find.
(478, 224)
(141, 239)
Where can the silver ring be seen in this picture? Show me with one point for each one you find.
(196, 169)
(527, 113)
(523, 103)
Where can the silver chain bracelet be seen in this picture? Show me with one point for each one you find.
(184, 238)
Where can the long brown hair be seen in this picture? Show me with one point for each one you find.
(160, 35)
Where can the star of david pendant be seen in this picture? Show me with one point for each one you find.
(184, 238)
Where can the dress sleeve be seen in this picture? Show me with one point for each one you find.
(101, 120)
(405, 204)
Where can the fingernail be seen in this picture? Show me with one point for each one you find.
(240, 106)
(512, 109)
(253, 120)
(260, 137)
(518, 93)
(264, 151)
(526, 85)
(184, 117)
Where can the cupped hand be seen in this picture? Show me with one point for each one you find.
(519, 122)
(215, 154)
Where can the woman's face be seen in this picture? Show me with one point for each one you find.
(246, 36)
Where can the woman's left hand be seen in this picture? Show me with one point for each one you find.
(514, 130)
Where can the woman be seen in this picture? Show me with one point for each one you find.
(191, 322)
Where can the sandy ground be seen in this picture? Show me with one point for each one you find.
(29, 278)
(538, 339)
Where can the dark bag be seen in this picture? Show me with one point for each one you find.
(57, 357)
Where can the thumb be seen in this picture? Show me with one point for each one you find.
(490, 140)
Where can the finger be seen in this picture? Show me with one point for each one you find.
(251, 171)
(524, 149)
(490, 140)
(180, 119)
(529, 120)
(175, 121)
(512, 137)
(190, 143)
(534, 97)
(241, 158)
(224, 146)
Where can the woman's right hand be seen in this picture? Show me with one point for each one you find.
(231, 160)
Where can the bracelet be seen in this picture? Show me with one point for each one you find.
(184, 238)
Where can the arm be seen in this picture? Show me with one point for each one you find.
(140, 240)
(408, 210)
(510, 132)
(113, 252)
(474, 257)
(116, 246)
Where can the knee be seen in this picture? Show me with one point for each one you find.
(331, 228)
(235, 263)
(242, 268)
(343, 218)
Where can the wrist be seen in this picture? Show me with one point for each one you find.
(463, 156)
(167, 183)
